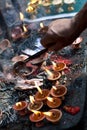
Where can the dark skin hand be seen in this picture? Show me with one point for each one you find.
(63, 32)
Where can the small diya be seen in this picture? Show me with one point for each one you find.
(76, 43)
(37, 116)
(43, 29)
(34, 105)
(58, 91)
(24, 70)
(42, 96)
(21, 107)
(58, 66)
(54, 115)
(53, 102)
(4, 44)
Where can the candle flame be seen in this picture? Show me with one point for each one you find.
(50, 99)
(18, 104)
(47, 113)
(21, 16)
(41, 25)
(49, 72)
(54, 64)
(30, 9)
(24, 28)
(36, 112)
(39, 89)
(32, 100)
(54, 87)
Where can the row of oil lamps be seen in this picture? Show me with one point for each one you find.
(33, 4)
(52, 98)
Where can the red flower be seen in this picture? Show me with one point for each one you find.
(72, 109)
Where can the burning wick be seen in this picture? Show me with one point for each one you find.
(21, 17)
(50, 99)
(47, 113)
(19, 104)
(49, 73)
(39, 89)
(37, 113)
(41, 25)
(32, 100)
(55, 88)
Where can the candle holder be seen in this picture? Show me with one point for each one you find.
(55, 115)
(58, 91)
(59, 66)
(55, 75)
(36, 117)
(20, 107)
(43, 96)
(76, 43)
(53, 102)
(35, 106)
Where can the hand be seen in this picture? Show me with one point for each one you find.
(60, 33)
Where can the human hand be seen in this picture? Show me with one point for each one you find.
(60, 33)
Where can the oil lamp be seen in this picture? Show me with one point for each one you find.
(53, 102)
(52, 75)
(58, 66)
(58, 91)
(76, 43)
(21, 107)
(34, 105)
(37, 116)
(43, 29)
(54, 115)
(4, 44)
(70, 4)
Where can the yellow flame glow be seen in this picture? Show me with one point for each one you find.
(50, 99)
(47, 113)
(18, 104)
(24, 28)
(49, 72)
(32, 100)
(36, 112)
(54, 64)
(39, 89)
(21, 16)
(41, 25)
(54, 87)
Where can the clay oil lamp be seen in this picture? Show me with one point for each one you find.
(41, 94)
(52, 76)
(53, 102)
(20, 107)
(54, 115)
(23, 70)
(70, 4)
(37, 116)
(58, 66)
(34, 105)
(4, 44)
(58, 91)
(76, 43)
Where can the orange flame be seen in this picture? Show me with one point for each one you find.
(49, 72)
(18, 104)
(30, 9)
(24, 28)
(47, 113)
(21, 16)
(36, 112)
(39, 89)
(32, 100)
(50, 99)
(54, 87)
(41, 25)
(54, 64)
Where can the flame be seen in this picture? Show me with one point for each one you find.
(39, 89)
(24, 28)
(18, 104)
(33, 1)
(50, 99)
(47, 113)
(41, 25)
(30, 9)
(36, 112)
(54, 64)
(54, 87)
(32, 100)
(49, 72)
(21, 16)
